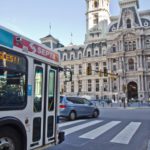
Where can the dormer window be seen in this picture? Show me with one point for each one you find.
(128, 23)
(89, 54)
(65, 57)
(71, 57)
(80, 56)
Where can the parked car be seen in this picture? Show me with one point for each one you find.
(74, 107)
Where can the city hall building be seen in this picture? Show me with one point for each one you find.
(117, 45)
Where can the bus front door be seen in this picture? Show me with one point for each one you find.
(38, 105)
(44, 106)
(51, 106)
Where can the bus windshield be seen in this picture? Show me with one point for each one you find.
(13, 72)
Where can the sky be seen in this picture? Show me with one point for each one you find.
(37, 18)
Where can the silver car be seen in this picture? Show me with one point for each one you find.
(74, 107)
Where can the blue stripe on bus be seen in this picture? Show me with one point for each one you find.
(6, 38)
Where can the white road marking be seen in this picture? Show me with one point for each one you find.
(69, 123)
(127, 133)
(100, 130)
(79, 127)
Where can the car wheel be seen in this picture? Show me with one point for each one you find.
(10, 139)
(95, 113)
(72, 115)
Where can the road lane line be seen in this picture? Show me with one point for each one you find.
(100, 130)
(127, 133)
(80, 127)
(69, 123)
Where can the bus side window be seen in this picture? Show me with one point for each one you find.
(51, 90)
(38, 89)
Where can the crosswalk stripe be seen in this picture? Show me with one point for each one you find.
(79, 127)
(127, 133)
(100, 130)
(69, 123)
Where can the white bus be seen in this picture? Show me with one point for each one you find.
(29, 93)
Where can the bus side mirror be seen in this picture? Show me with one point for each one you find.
(67, 74)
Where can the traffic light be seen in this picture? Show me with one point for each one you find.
(105, 72)
(100, 73)
(89, 70)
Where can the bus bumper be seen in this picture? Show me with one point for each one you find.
(61, 137)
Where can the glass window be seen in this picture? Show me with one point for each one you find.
(80, 69)
(80, 56)
(131, 64)
(97, 84)
(38, 89)
(114, 48)
(128, 23)
(72, 86)
(134, 45)
(89, 54)
(13, 78)
(89, 85)
(96, 68)
(65, 57)
(96, 4)
(51, 90)
(80, 85)
(95, 21)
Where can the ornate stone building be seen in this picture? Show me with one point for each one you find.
(119, 44)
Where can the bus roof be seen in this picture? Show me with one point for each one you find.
(18, 42)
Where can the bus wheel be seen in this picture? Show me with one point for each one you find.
(10, 139)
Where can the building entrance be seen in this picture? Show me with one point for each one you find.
(132, 90)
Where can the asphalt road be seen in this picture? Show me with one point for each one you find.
(115, 129)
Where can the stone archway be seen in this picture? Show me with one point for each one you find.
(132, 90)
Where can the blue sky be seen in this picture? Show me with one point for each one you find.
(32, 17)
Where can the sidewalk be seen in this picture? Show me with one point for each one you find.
(121, 105)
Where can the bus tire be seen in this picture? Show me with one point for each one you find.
(10, 139)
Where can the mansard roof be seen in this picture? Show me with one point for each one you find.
(72, 47)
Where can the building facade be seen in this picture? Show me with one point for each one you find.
(119, 45)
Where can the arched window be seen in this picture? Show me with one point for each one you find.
(114, 48)
(96, 4)
(131, 64)
(128, 23)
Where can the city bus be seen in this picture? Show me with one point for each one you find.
(29, 93)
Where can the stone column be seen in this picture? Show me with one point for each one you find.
(139, 84)
(110, 85)
(93, 86)
(142, 83)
